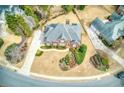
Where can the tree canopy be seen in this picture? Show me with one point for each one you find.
(29, 11)
(68, 8)
(17, 21)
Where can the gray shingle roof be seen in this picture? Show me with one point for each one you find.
(115, 16)
(110, 31)
(54, 32)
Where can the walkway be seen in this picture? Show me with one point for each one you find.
(36, 42)
(99, 45)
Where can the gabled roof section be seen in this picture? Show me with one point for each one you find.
(55, 32)
(115, 16)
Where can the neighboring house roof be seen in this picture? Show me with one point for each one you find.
(121, 7)
(110, 31)
(116, 16)
(55, 32)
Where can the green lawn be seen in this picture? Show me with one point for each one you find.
(80, 54)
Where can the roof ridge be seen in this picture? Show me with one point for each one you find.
(67, 31)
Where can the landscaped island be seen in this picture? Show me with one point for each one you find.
(73, 58)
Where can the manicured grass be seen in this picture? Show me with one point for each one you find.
(1, 42)
(105, 61)
(80, 54)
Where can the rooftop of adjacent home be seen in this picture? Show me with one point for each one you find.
(55, 32)
(110, 30)
(122, 7)
(116, 16)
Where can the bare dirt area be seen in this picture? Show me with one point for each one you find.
(62, 19)
(91, 12)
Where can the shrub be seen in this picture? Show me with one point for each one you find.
(68, 8)
(81, 7)
(30, 12)
(8, 50)
(1, 42)
(39, 53)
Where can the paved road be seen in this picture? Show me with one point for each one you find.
(11, 78)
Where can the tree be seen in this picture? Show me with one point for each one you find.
(68, 8)
(16, 22)
(81, 7)
(15, 52)
(29, 11)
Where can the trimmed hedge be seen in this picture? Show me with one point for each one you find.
(1, 42)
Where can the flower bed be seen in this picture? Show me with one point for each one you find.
(73, 58)
(101, 63)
